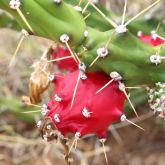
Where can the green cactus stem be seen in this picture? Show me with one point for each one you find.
(45, 15)
(126, 55)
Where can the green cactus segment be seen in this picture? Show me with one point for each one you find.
(95, 20)
(127, 55)
(60, 18)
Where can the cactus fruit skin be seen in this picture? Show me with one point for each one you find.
(137, 96)
(152, 39)
(66, 64)
(105, 107)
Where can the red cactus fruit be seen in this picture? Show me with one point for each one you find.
(91, 113)
(66, 64)
(152, 39)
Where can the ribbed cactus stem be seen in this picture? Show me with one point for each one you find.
(127, 55)
(43, 15)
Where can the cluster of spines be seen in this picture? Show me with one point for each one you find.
(157, 99)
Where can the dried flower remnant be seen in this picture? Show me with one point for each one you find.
(40, 78)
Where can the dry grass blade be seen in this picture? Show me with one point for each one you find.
(16, 51)
(143, 11)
